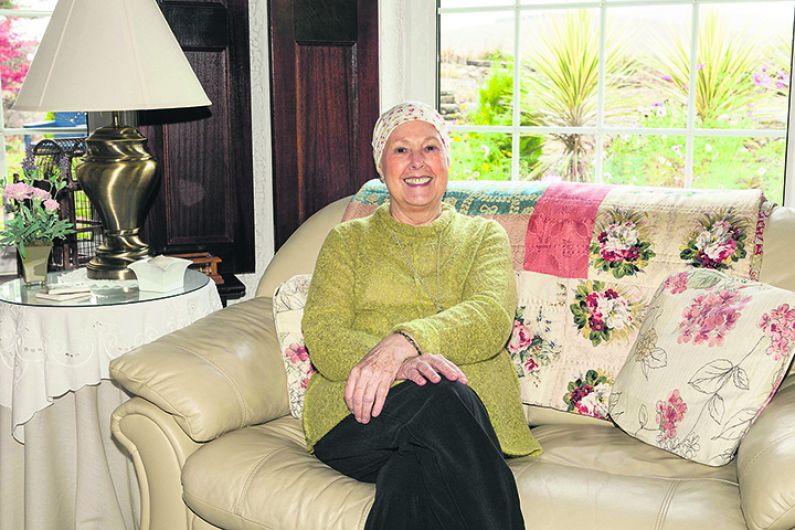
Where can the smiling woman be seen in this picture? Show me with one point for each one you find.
(405, 320)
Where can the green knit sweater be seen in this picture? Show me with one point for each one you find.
(363, 289)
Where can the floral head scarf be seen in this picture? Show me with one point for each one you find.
(400, 114)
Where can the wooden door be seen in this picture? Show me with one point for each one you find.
(205, 200)
(324, 87)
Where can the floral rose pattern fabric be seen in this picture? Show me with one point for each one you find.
(621, 245)
(589, 259)
(710, 354)
(288, 311)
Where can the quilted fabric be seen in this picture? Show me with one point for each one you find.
(712, 351)
(588, 259)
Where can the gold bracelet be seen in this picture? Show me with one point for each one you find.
(410, 339)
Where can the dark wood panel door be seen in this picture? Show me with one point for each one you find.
(324, 92)
(205, 200)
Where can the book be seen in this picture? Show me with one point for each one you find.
(66, 289)
(64, 296)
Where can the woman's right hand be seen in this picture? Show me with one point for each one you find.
(430, 367)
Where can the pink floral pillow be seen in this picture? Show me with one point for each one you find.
(709, 356)
(288, 311)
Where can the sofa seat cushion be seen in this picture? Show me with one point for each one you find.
(591, 476)
(262, 477)
(597, 477)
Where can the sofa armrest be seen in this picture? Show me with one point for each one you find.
(766, 465)
(219, 374)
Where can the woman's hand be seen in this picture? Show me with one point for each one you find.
(369, 381)
(430, 367)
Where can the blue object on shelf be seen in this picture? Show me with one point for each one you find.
(62, 119)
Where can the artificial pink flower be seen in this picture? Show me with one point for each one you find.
(18, 191)
(40, 194)
(51, 205)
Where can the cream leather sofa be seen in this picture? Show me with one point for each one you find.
(212, 439)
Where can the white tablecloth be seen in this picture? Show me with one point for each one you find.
(48, 351)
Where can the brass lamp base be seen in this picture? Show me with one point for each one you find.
(118, 174)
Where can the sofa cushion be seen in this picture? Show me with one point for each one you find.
(288, 312)
(590, 476)
(710, 354)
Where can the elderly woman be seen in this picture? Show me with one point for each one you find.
(407, 316)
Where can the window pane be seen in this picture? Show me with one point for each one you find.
(15, 152)
(20, 37)
(35, 5)
(568, 157)
(477, 68)
(731, 162)
(744, 53)
(645, 160)
(644, 46)
(475, 3)
(560, 67)
(480, 156)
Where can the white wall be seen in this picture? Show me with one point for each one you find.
(261, 140)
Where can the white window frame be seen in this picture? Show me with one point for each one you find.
(408, 56)
(21, 131)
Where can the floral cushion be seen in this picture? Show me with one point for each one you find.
(709, 356)
(288, 311)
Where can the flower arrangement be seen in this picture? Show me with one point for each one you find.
(718, 242)
(599, 311)
(32, 203)
(619, 246)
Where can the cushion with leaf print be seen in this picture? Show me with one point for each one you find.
(710, 354)
(289, 300)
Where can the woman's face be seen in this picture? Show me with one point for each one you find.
(415, 169)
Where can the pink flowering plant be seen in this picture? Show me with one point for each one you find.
(33, 208)
(600, 312)
(620, 246)
(718, 241)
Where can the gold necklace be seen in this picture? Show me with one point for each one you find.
(437, 300)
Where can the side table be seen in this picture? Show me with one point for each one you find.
(60, 469)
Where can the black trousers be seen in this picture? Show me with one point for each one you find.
(434, 458)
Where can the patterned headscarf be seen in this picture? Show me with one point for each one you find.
(400, 114)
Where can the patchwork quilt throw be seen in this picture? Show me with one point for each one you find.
(588, 259)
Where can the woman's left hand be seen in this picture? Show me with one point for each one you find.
(369, 381)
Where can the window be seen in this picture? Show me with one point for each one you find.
(681, 93)
(22, 25)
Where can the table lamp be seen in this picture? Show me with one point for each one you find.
(112, 56)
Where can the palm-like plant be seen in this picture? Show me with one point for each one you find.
(724, 81)
(563, 81)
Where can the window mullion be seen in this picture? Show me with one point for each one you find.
(692, 90)
(517, 96)
(600, 105)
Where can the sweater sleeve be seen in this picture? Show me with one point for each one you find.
(334, 345)
(476, 328)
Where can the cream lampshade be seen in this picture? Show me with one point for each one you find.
(112, 55)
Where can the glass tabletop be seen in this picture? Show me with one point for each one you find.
(103, 292)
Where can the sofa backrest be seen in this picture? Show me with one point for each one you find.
(299, 253)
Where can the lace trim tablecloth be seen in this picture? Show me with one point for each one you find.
(48, 351)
